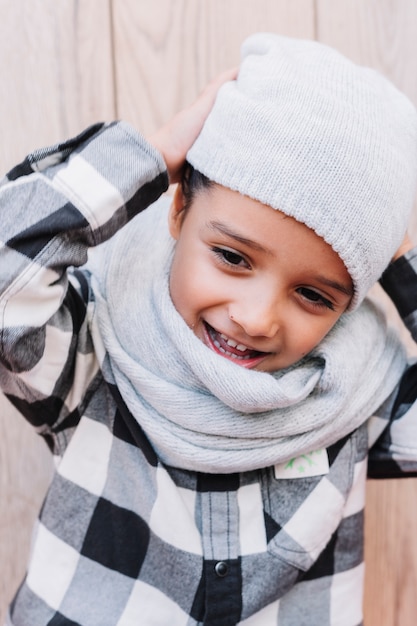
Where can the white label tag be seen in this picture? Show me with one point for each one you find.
(312, 464)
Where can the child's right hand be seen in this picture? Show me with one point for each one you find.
(175, 138)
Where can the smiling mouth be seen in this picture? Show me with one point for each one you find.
(230, 349)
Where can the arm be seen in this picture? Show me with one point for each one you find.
(400, 282)
(55, 205)
(394, 453)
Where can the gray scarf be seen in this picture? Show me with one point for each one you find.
(202, 412)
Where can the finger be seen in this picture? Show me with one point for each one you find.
(229, 74)
(210, 90)
(405, 246)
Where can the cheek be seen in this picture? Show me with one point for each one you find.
(186, 285)
(196, 286)
(178, 285)
(306, 334)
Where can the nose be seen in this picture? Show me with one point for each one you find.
(258, 316)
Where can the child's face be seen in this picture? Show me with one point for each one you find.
(257, 287)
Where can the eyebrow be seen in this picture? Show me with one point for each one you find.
(228, 232)
(348, 291)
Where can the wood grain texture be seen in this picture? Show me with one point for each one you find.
(67, 64)
(382, 35)
(56, 69)
(25, 471)
(391, 553)
(167, 51)
(377, 33)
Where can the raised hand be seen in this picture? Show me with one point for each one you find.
(175, 138)
(405, 246)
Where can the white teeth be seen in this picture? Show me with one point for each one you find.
(234, 344)
(229, 342)
(230, 354)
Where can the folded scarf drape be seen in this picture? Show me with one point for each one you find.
(203, 412)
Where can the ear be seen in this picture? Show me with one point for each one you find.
(176, 213)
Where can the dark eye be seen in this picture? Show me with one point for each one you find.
(229, 257)
(315, 298)
(232, 257)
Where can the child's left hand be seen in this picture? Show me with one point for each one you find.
(175, 138)
(405, 246)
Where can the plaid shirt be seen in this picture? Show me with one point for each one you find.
(123, 539)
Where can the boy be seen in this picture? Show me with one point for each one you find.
(207, 382)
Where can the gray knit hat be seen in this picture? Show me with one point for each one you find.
(334, 145)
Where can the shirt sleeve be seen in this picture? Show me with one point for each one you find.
(393, 452)
(55, 205)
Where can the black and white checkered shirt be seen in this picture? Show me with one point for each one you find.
(123, 539)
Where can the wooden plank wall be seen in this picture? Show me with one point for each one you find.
(65, 64)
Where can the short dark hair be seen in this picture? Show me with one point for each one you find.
(192, 182)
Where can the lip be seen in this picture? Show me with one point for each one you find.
(248, 362)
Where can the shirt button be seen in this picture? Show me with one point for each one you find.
(221, 569)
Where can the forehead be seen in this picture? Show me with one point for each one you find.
(231, 213)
